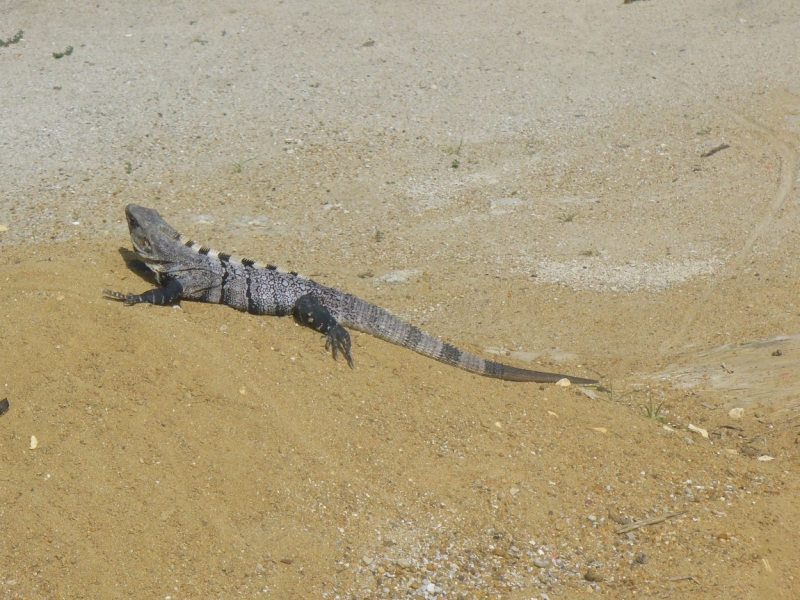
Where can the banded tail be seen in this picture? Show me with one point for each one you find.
(374, 320)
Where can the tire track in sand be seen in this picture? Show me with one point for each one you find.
(788, 170)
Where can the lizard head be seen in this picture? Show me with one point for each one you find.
(154, 240)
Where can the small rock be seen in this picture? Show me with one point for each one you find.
(541, 563)
(3, 228)
(367, 561)
(758, 414)
(513, 491)
(600, 429)
(592, 575)
(699, 430)
(34, 442)
(618, 519)
(592, 518)
(3, 406)
(777, 353)
(736, 413)
(641, 558)
(404, 563)
(563, 382)
(765, 458)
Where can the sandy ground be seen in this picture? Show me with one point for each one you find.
(589, 187)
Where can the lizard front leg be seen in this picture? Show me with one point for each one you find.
(310, 312)
(163, 295)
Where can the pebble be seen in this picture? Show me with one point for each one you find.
(765, 458)
(699, 430)
(3, 406)
(404, 563)
(34, 442)
(3, 228)
(563, 382)
(541, 563)
(736, 413)
(367, 561)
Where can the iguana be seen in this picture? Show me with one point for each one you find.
(187, 270)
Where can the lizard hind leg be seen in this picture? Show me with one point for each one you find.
(309, 311)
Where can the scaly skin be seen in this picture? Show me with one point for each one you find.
(187, 270)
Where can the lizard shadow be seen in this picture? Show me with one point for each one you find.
(136, 265)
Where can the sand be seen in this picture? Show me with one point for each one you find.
(603, 189)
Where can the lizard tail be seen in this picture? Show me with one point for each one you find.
(374, 320)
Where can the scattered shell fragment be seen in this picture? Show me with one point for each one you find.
(765, 458)
(563, 382)
(600, 429)
(667, 428)
(736, 413)
(34, 442)
(699, 430)
(588, 393)
(550, 412)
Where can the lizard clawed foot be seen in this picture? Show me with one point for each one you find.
(337, 339)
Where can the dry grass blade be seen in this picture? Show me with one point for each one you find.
(651, 521)
(683, 577)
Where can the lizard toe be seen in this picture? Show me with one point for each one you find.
(339, 339)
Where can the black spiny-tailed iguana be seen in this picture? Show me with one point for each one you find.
(185, 269)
